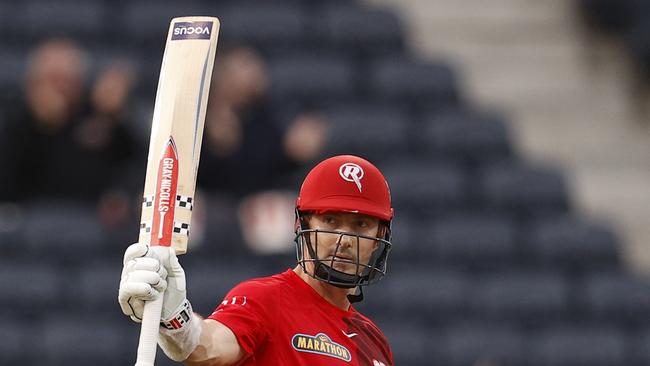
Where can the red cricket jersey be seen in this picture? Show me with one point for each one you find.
(281, 320)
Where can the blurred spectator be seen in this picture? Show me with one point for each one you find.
(245, 149)
(247, 153)
(63, 142)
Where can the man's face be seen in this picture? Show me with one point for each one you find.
(345, 249)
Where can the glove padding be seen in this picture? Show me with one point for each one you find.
(145, 275)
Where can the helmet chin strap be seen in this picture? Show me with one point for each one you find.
(334, 277)
(325, 272)
(357, 296)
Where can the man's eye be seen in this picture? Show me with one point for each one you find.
(362, 224)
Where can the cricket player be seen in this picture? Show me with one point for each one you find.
(303, 316)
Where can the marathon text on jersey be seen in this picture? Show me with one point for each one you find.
(320, 344)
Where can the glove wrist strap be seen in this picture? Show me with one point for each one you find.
(180, 318)
(180, 333)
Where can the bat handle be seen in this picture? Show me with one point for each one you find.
(149, 332)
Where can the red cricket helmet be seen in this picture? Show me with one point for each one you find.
(346, 183)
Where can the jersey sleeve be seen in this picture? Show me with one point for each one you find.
(244, 311)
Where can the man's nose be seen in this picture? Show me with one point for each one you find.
(346, 240)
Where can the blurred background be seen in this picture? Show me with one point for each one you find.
(514, 135)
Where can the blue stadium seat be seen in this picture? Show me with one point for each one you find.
(29, 287)
(70, 340)
(477, 344)
(638, 40)
(13, 66)
(425, 188)
(571, 244)
(20, 342)
(11, 222)
(5, 14)
(419, 83)
(145, 22)
(428, 296)
(209, 280)
(362, 31)
(413, 344)
(311, 79)
(525, 298)
(611, 16)
(464, 135)
(474, 241)
(373, 131)
(405, 243)
(95, 290)
(78, 231)
(220, 222)
(41, 19)
(528, 191)
(639, 348)
(615, 298)
(270, 27)
(579, 346)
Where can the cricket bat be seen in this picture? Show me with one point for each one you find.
(174, 150)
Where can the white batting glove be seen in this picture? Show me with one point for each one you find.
(145, 275)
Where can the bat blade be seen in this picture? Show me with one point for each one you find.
(174, 150)
(176, 132)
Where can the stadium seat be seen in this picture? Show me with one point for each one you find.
(464, 135)
(96, 287)
(373, 131)
(11, 222)
(638, 41)
(473, 241)
(611, 16)
(78, 231)
(579, 346)
(525, 298)
(362, 31)
(39, 289)
(144, 23)
(269, 27)
(413, 344)
(424, 188)
(615, 298)
(523, 190)
(20, 342)
(70, 340)
(13, 64)
(639, 348)
(419, 83)
(40, 19)
(5, 14)
(571, 244)
(311, 79)
(220, 222)
(427, 295)
(405, 243)
(210, 280)
(477, 344)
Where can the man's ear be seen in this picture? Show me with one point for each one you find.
(382, 230)
(296, 225)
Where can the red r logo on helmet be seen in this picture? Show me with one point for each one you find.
(352, 173)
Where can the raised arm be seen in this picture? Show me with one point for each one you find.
(217, 346)
(184, 335)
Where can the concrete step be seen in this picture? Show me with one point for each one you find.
(568, 103)
(459, 21)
